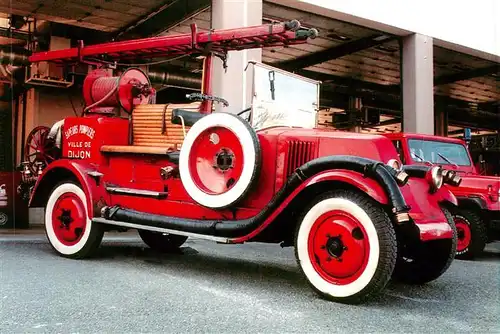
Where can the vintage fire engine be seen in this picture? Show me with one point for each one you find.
(174, 171)
(477, 217)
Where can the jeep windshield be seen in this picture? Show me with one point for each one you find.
(282, 98)
(438, 152)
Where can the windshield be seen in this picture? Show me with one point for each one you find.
(281, 98)
(438, 152)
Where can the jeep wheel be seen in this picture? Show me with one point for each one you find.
(427, 261)
(471, 234)
(69, 229)
(345, 246)
(161, 242)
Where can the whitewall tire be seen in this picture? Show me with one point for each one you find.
(68, 227)
(219, 160)
(346, 246)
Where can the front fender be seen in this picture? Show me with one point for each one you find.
(61, 170)
(369, 186)
(446, 195)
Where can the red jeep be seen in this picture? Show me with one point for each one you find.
(477, 217)
(174, 171)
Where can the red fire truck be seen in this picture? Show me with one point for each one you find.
(268, 174)
(478, 216)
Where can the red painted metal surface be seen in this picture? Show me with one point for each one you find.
(69, 219)
(83, 138)
(473, 185)
(103, 92)
(283, 149)
(216, 168)
(183, 44)
(366, 185)
(335, 252)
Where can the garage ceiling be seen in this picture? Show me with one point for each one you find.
(358, 66)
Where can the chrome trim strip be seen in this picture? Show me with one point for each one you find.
(136, 192)
(164, 230)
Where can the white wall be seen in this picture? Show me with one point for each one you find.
(463, 25)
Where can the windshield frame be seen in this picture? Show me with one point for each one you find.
(267, 113)
(440, 161)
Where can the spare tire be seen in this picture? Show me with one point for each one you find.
(220, 160)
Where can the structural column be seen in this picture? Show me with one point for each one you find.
(235, 84)
(418, 84)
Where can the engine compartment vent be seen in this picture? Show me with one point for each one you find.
(298, 153)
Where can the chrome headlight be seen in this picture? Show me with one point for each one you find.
(394, 164)
(436, 178)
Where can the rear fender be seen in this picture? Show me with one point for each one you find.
(369, 186)
(67, 170)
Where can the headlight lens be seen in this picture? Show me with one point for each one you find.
(436, 177)
(394, 164)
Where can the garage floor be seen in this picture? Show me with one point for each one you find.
(215, 288)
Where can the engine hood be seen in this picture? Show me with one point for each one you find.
(330, 142)
(480, 182)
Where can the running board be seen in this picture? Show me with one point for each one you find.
(136, 192)
(162, 230)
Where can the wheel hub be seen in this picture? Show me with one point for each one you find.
(338, 247)
(464, 235)
(69, 219)
(216, 161)
(65, 218)
(335, 246)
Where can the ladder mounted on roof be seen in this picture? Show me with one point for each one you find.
(217, 42)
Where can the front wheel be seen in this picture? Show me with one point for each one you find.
(471, 232)
(346, 246)
(69, 229)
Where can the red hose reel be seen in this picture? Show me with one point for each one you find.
(103, 93)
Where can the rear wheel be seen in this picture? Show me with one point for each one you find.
(162, 242)
(346, 246)
(69, 229)
(428, 260)
(471, 232)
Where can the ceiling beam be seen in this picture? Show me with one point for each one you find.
(9, 33)
(162, 18)
(465, 75)
(335, 52)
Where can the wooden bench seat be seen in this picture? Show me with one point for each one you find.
(153, 131)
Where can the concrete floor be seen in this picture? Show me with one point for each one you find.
(213, 288)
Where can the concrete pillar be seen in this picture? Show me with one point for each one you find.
(354, 111)
(418, 84)
(235, 85)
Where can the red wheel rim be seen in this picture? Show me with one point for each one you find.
(464, 235)
(216, 160)
(38, 148)
(338, 247)
(69, 219)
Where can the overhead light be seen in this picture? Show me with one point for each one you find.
(338, 37)
(381, 38)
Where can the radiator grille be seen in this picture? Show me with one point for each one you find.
(298, 153)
